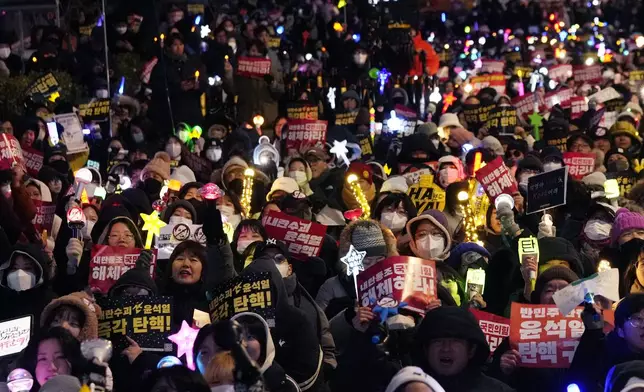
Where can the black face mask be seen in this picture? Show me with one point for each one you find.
(61, 167)
(618, 166)
(152, 188)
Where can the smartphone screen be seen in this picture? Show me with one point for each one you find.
(52, 129)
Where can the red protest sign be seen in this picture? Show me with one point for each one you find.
(399, 279)
(10, 152)
(495, 328)
(579, 164)
(560, 97)
(525, 104)
(252, 66)
(544, 337)
(560, 72)
(496, 179)
(307, 132)
(496, 81)
(578, 106)
(109, 263)
(588, 74)
(33, 160)
(492, 66)
(44, 218)
(304, 238)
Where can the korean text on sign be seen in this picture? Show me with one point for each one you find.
(304, 238)
(145, 319)
(588, 74)
(43, 85)
(302, 112)
(14, 335)
(495, 328)
(248, 66)
(44, 218)
(10, 152)
(307, 132)
(347, 118)
(496, 179)
(425, 194)
(245, 293)
(109, 263)
(95, 109)
(33, 160)
(401, 279)
(579, 164)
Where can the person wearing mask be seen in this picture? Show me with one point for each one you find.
(298, 169)
(181, 211)
(154, 174)
(173, 148)
(526, 168)
(552, 158)
(393, 211)
(249, 231)
(77, 312)
(10, 64)
(618, 160)
(429, 236)
(450, 170)
(230, 209)
(327, 183)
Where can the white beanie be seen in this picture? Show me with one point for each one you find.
(286, 184)
(413, 374)
(183, 174)
(395, 184)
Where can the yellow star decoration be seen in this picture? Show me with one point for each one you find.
(54, 96)
(638, 165)
(153, 225)
(387, 169)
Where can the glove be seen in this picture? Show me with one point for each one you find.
(74, 250)
(145, 259)
(213, 227)
(546, 230)
(506, 216)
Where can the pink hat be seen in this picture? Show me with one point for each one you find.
(626, 220)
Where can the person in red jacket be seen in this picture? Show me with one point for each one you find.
(430, 60)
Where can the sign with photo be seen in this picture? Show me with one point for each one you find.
(244, 293)
(73, 132)
(109, 263)
(172, 235)
(304, 238)
(547, 190)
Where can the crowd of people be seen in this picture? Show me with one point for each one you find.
(364, 127)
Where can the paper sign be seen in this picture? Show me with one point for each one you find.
(346, 118)
(496, 179)
(525, 104)
(588, 74)
(398, 279)
(109, 263)
(244, 293)
(200, 319)
(10, 152)
(579, 164)
(605, 95)
(528, 247)
(544, 337)
(196, 9)
(492, 66)
(547, 190)
(604, 283)
(172, 235)
(44, 218)
(560, 97)
(95, 110)
(73, 132)
(45, 85)
(296, 111)
(145, 319)
(502, 120)
(253, 66)
(304, 238)
(14, 335)
(33, 160)
(495, 81)
(625, 180)
(495, 328)
(413, 177)
(476, 115)
(274, 42)
(305, 132)
(560, 72)
(578, 106)
(427, 195)
(86, 30)
(366, 146)
(474, 282)
(608, 119)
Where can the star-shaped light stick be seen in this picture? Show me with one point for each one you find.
(153, 224)
(353, 260)
(195, 132)
(185, 339)
(331, 97)
(448, 100)
(536, 120)
(340, 151)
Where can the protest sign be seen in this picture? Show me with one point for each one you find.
(295, 111)
(398, 279)
(547, 190)
(605, 283)
(476, 115)
(172, 235)
(608, 119)
(625, 180)
(73, 132)
(95, 110)
(405, 126)
(495, 178)
(587, 74)
(10, 152)
(579, 164)
(33, 160)
(274, 42)
(304, 238)
(366, 145)
(44, 218)
(636, 80)
(544, 337)
(427, 195)
(108, 263)
(474, 282)
(14, 335)
(305, 132)
(196, 9)
(45, 85)
(244, 293)
(502, 120)
(495, 328)
(615, 105)
(521, 71)
(525, 104)
(145, 319)
(86, 30)
(578, 106)
(514, 57)
(560, 97)
(560, 72)
(605, 95)
(413, 176)
(495, 81)
(346, 118)
(492, 66)
(253, 66)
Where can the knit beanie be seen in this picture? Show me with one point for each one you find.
(625, 128)
(493, 144)
(367, 236)
(427, 129)
(556, 272)
(81, 301)
(594, 178)
(530, 162)
(394, 184)
(61, 383)
(159, 165)
(411, 374)
(625, 220)
(625, 377)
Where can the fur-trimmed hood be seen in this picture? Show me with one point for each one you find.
(82, 302)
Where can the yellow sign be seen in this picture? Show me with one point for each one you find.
(427, 195)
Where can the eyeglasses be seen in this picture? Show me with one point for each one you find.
(635, 322)
(118, 236)
(515, 153)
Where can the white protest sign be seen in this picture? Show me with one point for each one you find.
(73, 132)
(14, 335)
(414, 177)
(172, 235)
(605, 95)
(604, 283)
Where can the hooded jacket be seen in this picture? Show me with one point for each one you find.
(85, 304)
(439, 220)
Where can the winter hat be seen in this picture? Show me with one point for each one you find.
(530, 162)
(493, 144)
(454, 161)
(519, 145)
(367, 236)
(362, 170)
(558, 248)
(633, 107)
(286, 184)
(318, 153)
(411, 374)
(232, 162)
(434, 216)
(183, 174)
(628, 306)
(400, 93)
(185, 204)
(61, 383)
(551, 154)
(427, 129)
(449, 120)
(81, 301)
(462, 253)
(617, 150)
(395, 184)
(625, 128)
(556, 272)
(185, 188)
(159, 165)
(351, 94)
(625, 377)
(625, 220)
(139, 276)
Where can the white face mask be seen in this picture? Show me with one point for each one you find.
(101, 93)
(448, 176)
(213, 154)
(550, 166)
(299, 177)
(283, 269)
(174, 150)
(174, 220)
(523, 180)
(393, 220)
(21, 280)
(242, 245)
(431, 246)
(597, 230)
(435, 142)
(226, 211)
(360, 58)
(5, 53)
(87, 230)
(121, 30)
(137, 137)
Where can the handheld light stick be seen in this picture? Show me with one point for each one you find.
(353, 182)
(20, 380)
(153, 223)
(99, 352)
(83, 177)
(76, 221)
(340, 150)
(247, 192)
(383, 77)
(211, 191)
(353, 260)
